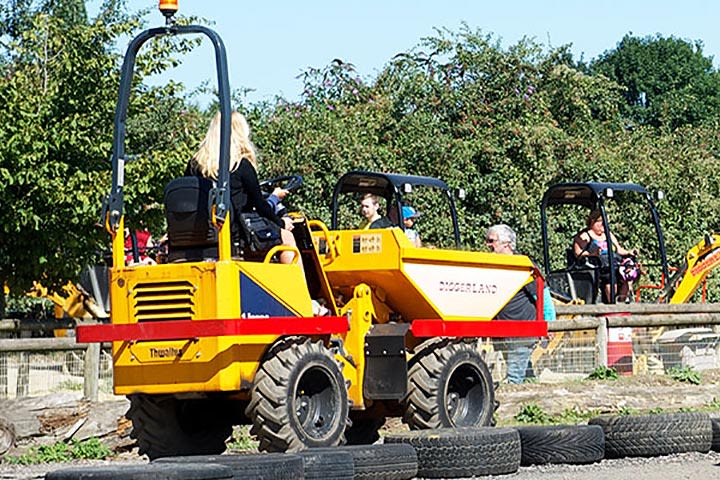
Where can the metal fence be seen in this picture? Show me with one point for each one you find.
(641, 339)
(40, 366)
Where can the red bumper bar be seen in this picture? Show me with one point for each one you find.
(494, 328)
(183, 329)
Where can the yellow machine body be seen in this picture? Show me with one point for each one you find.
(198, 291)
(423, 283)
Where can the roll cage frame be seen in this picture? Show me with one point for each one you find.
(391, 187)
(593, 196)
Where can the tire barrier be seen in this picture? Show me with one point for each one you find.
(261, 466)
(188, 471)
(327, 464)
(573, 444)
(654, 435)
(389, 461)
(463, 452)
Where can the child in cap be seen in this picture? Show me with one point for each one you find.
(410, 215)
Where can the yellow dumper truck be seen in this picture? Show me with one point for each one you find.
(201, 344)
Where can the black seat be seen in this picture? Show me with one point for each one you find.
(583, 277)
(191, 235)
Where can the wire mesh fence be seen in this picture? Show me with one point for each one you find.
(567, 355)
(33, 373)
(562, 355)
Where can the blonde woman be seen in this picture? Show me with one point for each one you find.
(245, 192)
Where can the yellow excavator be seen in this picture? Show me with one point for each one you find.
(700, 260)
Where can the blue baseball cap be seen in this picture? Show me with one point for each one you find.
(409, 212)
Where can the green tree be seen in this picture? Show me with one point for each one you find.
(58, 96)
(668, 81)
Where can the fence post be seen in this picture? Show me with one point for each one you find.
(92, 372)
(602, 342)
(3, 375)
(23, 375)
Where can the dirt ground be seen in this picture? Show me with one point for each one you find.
(570, 399)
(639, 393)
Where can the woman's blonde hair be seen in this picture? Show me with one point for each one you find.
(207, 159)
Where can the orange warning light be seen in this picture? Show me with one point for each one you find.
(169, 7)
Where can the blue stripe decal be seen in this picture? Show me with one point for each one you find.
(256, 302)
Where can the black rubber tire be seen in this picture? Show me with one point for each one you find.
(165, 426)
(379, 461)
(7, 435)
(327, 464)
(715, 446)
(299, 399)
(364, 429)
(463, 452)
(449, 385)
(190, 471)
(575, 444)
(654, 435)
(265, 466)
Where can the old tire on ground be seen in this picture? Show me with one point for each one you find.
(364, 429)
(654, 435)
(715, 434)
(7, 435)
(299, 398)
(449, 385)
(327, 464)
(463, 452)
(267, 466)
(143, 472)
(166, 426)
(380, 461)
(575, 444)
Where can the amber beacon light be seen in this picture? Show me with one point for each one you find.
(168, 7)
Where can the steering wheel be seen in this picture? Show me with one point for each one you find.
(286, 182)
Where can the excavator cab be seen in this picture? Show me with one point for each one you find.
(629, 214)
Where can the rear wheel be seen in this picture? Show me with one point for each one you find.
(166, 426)
(298, 399)
(449, 386)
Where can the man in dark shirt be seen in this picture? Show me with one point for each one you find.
(369, 208)
(502, 239)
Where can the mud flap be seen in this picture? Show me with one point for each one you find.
(385, 362)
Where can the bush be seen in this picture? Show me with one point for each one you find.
(685, 374)
(603, 373)
(90, 449)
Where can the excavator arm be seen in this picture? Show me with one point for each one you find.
(700, 260)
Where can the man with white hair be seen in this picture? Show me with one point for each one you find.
(502, 239)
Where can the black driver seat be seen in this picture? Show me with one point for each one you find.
(191, 235)
(582, 277)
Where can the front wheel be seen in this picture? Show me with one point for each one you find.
(298, 399)
(450, 386)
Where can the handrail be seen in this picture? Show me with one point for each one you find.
(332, 247)
(282, 248)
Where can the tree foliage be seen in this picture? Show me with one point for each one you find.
(668, 81)
(58, 93)
(503, 123)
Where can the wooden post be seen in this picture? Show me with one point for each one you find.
(22, 389)
(92, 372)
(3, 375)
(602, 342)
(23, 375)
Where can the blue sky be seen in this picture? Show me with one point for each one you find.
(269, 43)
